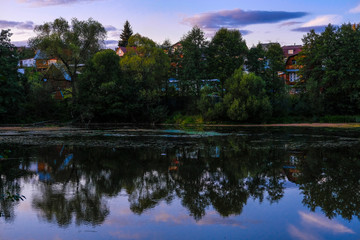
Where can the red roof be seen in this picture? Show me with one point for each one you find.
(291, 50)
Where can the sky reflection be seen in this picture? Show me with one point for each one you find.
(210, 188)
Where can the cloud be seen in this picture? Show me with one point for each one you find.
(20, 43)
(44, 3)
(211, 32)
(322, 222)
(323, 20)
(319, 23)
(110, 42)
(245, 32)
(307, 29)
(285, 24)
(355, 9)
(110, 28)
(239, 18)
(28, 25)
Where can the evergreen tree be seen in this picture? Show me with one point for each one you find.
(125, 35)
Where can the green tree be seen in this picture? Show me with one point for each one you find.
(246, 98)
(211, 105)
(226, 53)
(275, 86)
(125, 34)
(101, 89)
(193, 62)
(329, 70)
(72, 45)
(11, 88)
(145, 67)
(256, 60)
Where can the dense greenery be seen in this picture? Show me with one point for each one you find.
(10, 82)
(330, 70)
(220, 79)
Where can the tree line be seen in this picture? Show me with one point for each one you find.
(209, 77)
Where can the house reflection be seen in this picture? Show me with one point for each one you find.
(291, 168)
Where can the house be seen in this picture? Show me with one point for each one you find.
(120, 51)
(291, 50)
(291, 74)
(42, 61)
(24, 63)
(57, 79)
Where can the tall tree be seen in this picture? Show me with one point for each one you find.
(227, 50)
(145, 66)
(10, 84)
(72, 45)
(193, 62)
(125, 34)
(275, 86)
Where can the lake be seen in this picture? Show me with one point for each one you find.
(210, 183)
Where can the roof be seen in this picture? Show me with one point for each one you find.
(61, 69)
(41, 55)
(295, 50)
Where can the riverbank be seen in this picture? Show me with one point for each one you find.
(69, 128)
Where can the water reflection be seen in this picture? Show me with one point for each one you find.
(75, 183)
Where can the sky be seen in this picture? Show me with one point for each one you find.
(263, 21)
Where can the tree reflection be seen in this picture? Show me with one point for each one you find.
(10, 175)
(203, 176)
(75, 182)
(330, 180)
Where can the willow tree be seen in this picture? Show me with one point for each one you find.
(72, 44)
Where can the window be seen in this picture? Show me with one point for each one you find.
(293, 77)
(291, 51)
(293, 62)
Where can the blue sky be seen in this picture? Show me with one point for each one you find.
(280, 21)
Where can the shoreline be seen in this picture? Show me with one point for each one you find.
(74, 128)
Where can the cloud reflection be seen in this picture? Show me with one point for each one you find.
(322, 222)
(299, 234)
(123, 235)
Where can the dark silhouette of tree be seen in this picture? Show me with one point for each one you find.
(125, 35)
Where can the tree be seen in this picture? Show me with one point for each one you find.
(329, 63)
(145, 67)
(11, 88)
(275, 86)
(125, 34)
(100, 88)
(246, 98)
(72, 45)
(255, 60)
(193, 63)
(226, 53)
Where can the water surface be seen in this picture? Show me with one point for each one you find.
(257, 183)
